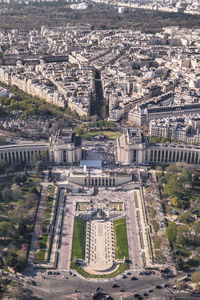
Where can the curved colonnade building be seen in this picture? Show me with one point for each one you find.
(64, 148)
(132, 147)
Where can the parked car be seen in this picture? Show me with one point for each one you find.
(115, 286)
(141, 273)
(147, 273)
(136, 295)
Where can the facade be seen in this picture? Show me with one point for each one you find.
(179, 129)
(98, 178)
(131, 147)
(130, 150)
(64, 148)
(143, 115)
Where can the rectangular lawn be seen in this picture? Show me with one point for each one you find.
(121, 241)
(79, 238)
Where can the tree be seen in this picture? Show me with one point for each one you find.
(3, 166)
(171, 232)
(173, 187)
(43, 155)
(185, 217)
(2, 285)
(18, 263)
(183, 235)
(31, 199)
(19, 179)
(6, 194)
(195, 277)
(40, 166)
(186, 176)
(196, 229)
(171, 170)
(179, 263)
(3, 140)
(33, 190)
(174, 201)
(186, 180)
(11, 259)
(159, 169)
(4, 228)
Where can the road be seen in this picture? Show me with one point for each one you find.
(133, 234)
(57, 287)
(66, 236)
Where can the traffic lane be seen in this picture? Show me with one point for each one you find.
(70, 285)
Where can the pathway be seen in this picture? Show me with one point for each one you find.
(66, 236)
(133, 234)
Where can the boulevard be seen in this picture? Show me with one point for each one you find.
(52, 287)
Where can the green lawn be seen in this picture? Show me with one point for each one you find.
(159, 256)
(39, 257)
(121, 241)
(111, 135)
(122, 267)
(79, 238)
(51, 190)
(43, 241)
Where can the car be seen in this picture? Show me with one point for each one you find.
(150, 291)
(147, 273)
(136, 295)
(122, 290)
(124, 276)
(158, 287)
(141, 273)
(146, 294)
(165, 285)
(115, 286)
(128, 261)
(129, 273)
(187, 279)
(134, 278)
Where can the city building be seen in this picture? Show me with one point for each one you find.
(64, 148)
(132, 148)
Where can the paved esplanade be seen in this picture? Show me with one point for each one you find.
(101, 253)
